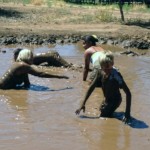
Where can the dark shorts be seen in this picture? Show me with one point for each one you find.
(107, 109)
(92, 76)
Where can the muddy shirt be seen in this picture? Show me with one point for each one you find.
(111, 85)
(95, 59)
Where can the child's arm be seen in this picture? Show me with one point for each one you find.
(87, 95)
(34, 70)
(128, 102)
(87, 56)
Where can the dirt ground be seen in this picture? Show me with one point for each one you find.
(11, 24)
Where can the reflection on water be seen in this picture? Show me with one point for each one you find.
(133, 122)
(44, 117)
(43, 88)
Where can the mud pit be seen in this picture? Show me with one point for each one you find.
(44, 117)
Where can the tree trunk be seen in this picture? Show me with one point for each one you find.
(121, 9)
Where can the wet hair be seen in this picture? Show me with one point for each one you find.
(107, 58)
(16, 53)
(25, 55)
(91, 38)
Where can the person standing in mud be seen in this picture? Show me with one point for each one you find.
(111, 82)
(91, 54)
(17, 75)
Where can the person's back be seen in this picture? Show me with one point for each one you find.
(16, 75)
(95, 58)
(89, 44)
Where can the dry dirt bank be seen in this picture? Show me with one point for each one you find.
(107, 30)
(20, 20)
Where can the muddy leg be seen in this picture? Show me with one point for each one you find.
(51, 58)
(58, 60)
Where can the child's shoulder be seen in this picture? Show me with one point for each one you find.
(117, 75)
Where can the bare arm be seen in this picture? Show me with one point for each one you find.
(86, 67)
(87, 95)
(128, 101)
(40, 73)
(34, 70)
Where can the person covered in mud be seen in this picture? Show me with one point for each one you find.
(50, 58)
(17, 75)
(91, 55)
(111, 82)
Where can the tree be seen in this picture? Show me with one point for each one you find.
(121, 9)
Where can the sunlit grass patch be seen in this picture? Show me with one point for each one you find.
(38, 2)
(16, 1)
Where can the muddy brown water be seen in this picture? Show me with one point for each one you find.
(43, 118)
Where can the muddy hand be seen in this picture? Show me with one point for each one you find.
(78, 110)
(126, 120)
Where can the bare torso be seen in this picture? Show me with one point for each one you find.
(16, 75)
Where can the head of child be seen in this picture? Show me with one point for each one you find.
(107, 62)
(25, 55)
(89, 41)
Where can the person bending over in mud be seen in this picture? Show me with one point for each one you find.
(91, 55)
(51, 58)
(17, 75)
(111, 82)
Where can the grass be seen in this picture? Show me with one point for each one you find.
(136, 8)
(59, 12)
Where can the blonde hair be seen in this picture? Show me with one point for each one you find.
(107, 58)
(25, 55)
